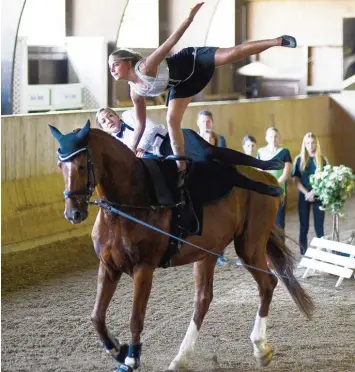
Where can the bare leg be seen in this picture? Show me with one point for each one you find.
(143, 279)
(203, 272)
(176, 110)
(225, 56)
(105, 289)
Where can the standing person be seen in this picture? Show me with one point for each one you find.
(273, 151)
(249, 145)
(184, 74)
(306, 163)
(205, 127)
(249, 148)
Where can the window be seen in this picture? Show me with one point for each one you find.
(43, 22)
(222, 28)
(140, 25)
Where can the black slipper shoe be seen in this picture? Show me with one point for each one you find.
(288, 41)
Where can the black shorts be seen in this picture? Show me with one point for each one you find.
(189, 74)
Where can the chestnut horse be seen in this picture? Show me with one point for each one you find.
(91, 159)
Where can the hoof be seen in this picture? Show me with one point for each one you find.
(123, 353)
(264, 360)
(173, 367)
(124, 368)
(177, 365)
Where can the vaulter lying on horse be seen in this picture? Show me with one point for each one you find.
(155, 143)
(224, 211)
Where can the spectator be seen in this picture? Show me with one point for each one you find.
(249, 145)
(205, 125)
(306, 163)
(274, 151)
(249, 148)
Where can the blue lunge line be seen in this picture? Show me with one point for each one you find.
(107, 206)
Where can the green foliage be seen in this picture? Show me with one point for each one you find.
(333, 185)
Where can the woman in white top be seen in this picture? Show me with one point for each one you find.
(184, 74)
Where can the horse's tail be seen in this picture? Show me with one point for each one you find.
(283, 262)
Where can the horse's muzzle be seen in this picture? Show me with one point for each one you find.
(75, 215)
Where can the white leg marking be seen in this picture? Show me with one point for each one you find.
(131, 362)
(186, 348)
(258, 336)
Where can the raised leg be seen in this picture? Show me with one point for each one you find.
(176, 110)
(106, 287)
(225, 56)
(252, 252)
(234, 157)
(203, 273)
(143, 279)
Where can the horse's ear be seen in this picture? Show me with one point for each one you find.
(84, 131)
(56, 132)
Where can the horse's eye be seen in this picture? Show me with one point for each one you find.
(81, 168)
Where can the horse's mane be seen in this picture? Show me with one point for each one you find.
(108, 140)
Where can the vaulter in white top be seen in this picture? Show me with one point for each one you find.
(123, 128)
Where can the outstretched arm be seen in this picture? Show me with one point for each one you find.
(141, 115)
(153, 61)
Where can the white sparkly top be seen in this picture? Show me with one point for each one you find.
(155, 86)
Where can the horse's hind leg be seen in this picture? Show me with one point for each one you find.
(251, 249)
(203, 273)
(106, 287)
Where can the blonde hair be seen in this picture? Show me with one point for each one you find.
(109, 109)
(304, 153)
(127, 54)
(274, 129)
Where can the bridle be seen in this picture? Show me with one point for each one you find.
(88, 190)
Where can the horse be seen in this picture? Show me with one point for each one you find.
(91, 159)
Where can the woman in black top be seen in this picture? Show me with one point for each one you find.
(305, 165)
(275, 152)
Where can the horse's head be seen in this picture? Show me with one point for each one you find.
(74, 160)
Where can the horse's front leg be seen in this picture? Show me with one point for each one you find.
(143, 278)
(106, 287)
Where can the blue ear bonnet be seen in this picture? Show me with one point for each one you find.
(72, 143)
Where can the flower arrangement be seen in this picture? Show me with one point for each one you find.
(333, 185)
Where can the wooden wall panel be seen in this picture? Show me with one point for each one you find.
(32, 199)
(32, 213)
